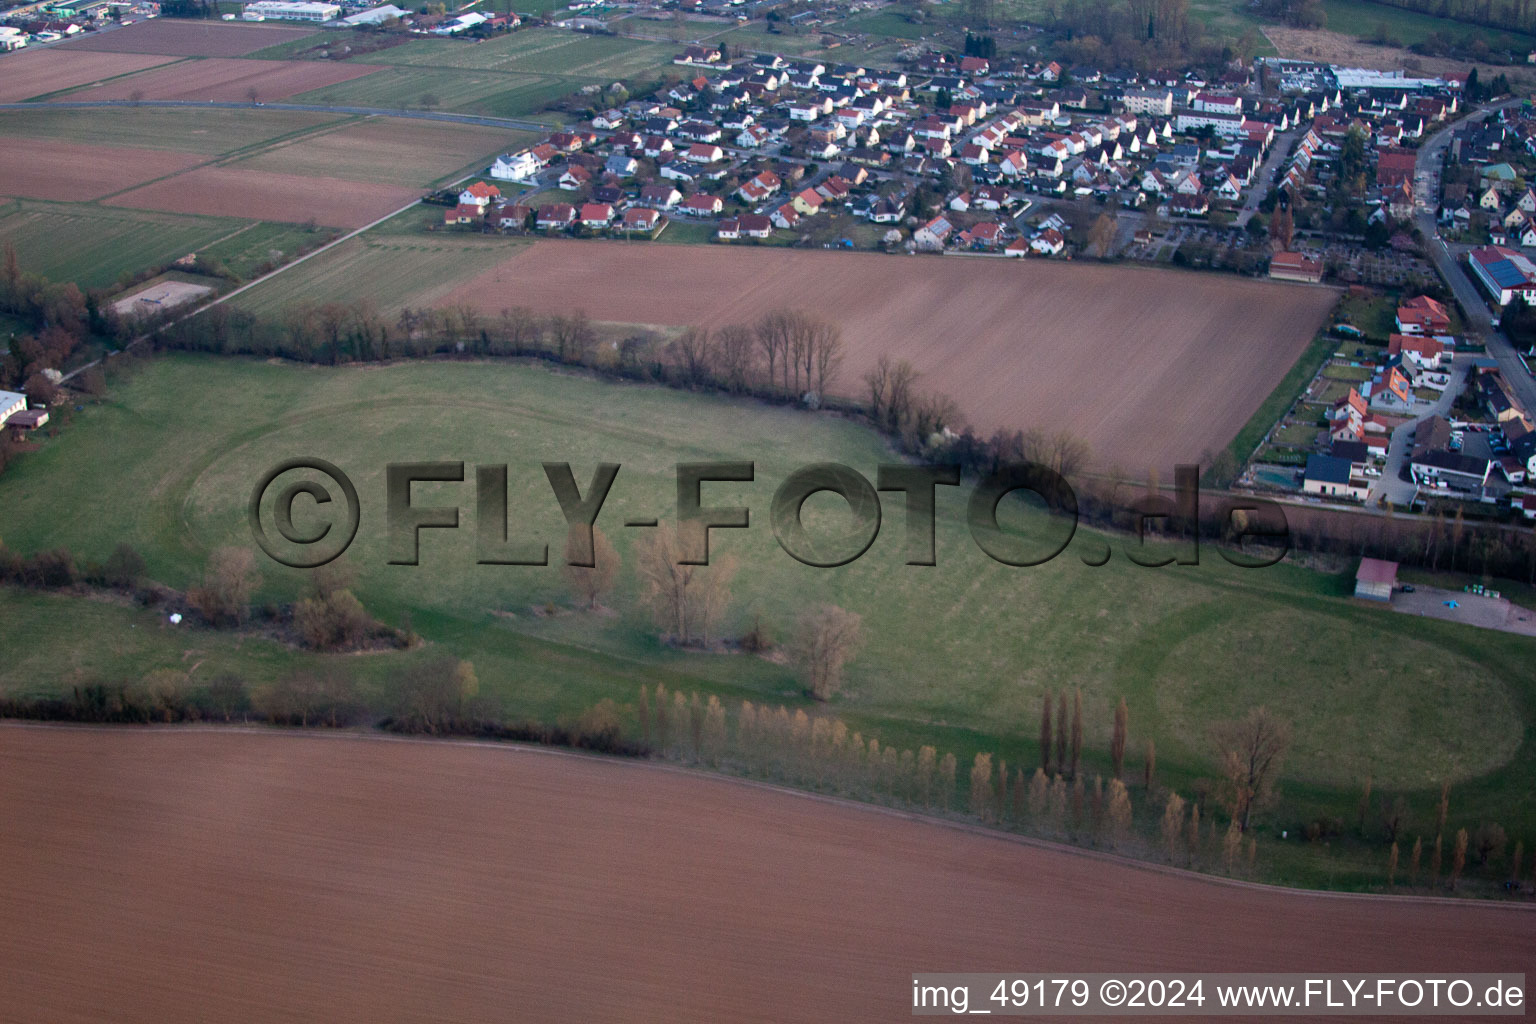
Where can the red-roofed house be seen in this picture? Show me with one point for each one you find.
(479, 194)
(596, 215)
(1049, 242)
(985, 235)
(806, 201)
(1423, 315)
(638, 218)
(701, 205)
(1425, 351)
(556, 215)
(1293, 266)
(1394, 166)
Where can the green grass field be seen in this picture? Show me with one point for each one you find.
(513, 75)
(95, 245)
(1365, 20)
(536, 51)
(959, 653)
(387, 269)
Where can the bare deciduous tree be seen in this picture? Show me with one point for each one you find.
(1045, 733)
(828, 637)
(1173, 825)
(981, 786)
(228, 582)
(1458, 856)
(1077, 730)
(590, 584)
(1249, 751)
(1119, 812)
(1117, 737)
(736, 353)
(572, 336)
(694, 353)
(686, 600)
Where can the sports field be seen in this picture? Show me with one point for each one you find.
(959, 653)
(1175, 363)
(40, 72)
(177, 37)
(367, 881)
(225, 80)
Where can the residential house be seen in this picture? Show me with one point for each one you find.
(662, 197)
(596, 215)
(556, 215)
(702, 205)
(479, 195)
(1423, 315)
(1049, 242)
(934, 234)
(639, 218)
(574, 178)
(1330, 476)
(1295, 266)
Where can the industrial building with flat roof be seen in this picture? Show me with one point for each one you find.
(290, 10)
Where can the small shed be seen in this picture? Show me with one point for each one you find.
(1375, 579)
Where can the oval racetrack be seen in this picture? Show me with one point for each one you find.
(173, 875)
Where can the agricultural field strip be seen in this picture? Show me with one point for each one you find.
(233, 155)
(171, 62)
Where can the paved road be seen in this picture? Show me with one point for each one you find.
(1473, 305)
(1398, 491)
(1265, 177)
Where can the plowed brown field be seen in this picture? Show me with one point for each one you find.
(45, 169)
(168, 876)
(1151, 367)
(227, 80)
(182, 38)
(264, 195)
(38, 72)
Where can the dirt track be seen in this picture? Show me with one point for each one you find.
(1151, 367)
(165, 876)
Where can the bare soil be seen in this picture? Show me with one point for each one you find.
(226, 80)
(266, 195)
(178, 37)
(161, 876)
(32, 73)
(71, 172)
(1150, 367)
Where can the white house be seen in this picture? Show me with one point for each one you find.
(516, 166)
(1048, 242)
(11, 403)
(933, 234)
(809, 110)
